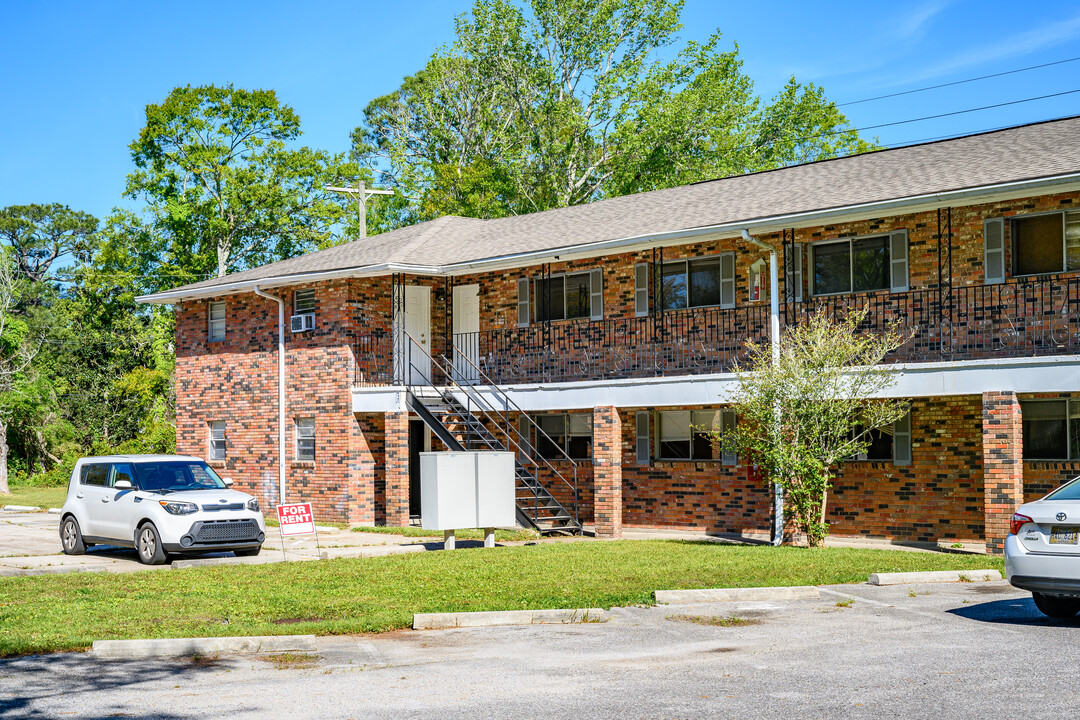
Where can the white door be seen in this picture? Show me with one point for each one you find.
(418, 329)
(466, 331)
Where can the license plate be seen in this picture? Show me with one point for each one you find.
(1064, 535)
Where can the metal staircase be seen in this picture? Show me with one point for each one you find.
(465, 417)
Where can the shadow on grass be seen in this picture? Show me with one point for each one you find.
(49, 686)
(1013, 611)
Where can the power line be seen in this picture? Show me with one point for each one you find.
(958, 82)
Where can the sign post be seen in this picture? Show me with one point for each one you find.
(296, 519)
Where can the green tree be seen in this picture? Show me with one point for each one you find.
(803, 414)
(39, 235)
(18, 346)
(561, 102)
(224, 188)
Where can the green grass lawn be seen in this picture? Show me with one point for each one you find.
(45, 497)
(67, 612)
(415, 532)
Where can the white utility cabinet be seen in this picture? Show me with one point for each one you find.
(460, 490)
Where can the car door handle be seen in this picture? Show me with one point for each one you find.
(78, 495)
(104, 499)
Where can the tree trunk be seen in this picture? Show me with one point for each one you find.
(3, 458)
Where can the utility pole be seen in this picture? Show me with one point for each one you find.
(362, 194)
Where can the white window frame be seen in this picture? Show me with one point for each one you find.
(890, 263)
(596, 295)
(727, 283)
(1065, 222)
(218, 446)
(304, 430)
(1069, 409)
(724, 416)
(308, 309)
(215, 321)
(569, 431)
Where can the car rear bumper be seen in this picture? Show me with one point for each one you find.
(1042, 573)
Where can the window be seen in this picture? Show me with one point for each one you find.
(217, 440)
(122, 472)
(1045, 243)
(95, 475)
(1051, 429)
(881, 445)
(569, 433)
(304, 302)
(567, 297)
(305, 439)
(860, 264)
(217, 321)
(890, 443)
(698, 283)
(685, 435)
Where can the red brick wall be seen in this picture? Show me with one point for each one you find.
(1003, 467)
(607, 472)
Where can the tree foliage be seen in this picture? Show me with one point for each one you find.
(39, 235)
(557, 103)
(802, 415)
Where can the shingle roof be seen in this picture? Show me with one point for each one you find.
(1015, 154)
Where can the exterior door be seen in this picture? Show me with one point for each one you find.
(418, 331)
(466, 331)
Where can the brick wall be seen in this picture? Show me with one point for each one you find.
(1003, 467)
(607, 472)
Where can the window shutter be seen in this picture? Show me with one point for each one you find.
(727, 425)
(523, 302)
(898, 252)
(524, 438)
(641, 289)
(596, 295)
(994, 250)
(902, 440)
(793, 272)
(727, 280)
(642, 435)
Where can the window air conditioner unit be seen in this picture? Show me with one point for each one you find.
(300, 323)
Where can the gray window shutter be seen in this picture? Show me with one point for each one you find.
(901, 441)
(596, 295)
(793, 272)
(525, 438)
(641, 289)
(994, 250)
(727, 424)
(523, 302)
(898, 253)
(727, 280)
(642, 435)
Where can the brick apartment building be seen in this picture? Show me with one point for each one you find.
(595, 341)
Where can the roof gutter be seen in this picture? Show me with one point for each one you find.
(763, 225)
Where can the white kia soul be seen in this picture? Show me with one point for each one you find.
(159, 505)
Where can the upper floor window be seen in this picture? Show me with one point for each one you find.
(304, 302)
(1045, 243)
(1051, 429)
(217, 440)
(698, 283)
(863, 264)
(572, 296)
(569, 433)
(216, 327)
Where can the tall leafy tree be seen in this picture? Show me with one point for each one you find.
(39, 235)
(225, 187)
(540, 104)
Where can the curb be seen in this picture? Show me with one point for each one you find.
(55, 570)
(435, 621)
(938, 576)
(172, 647)
(21, 508)
(759, 594)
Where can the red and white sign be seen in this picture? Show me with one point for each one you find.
(296, 519)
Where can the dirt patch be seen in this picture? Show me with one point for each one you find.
(715, 620)
(291, 661)
(992, 589)
(293, 621)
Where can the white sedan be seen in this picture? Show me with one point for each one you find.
(1042, 551)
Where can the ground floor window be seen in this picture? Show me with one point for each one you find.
(687, 435)
(305, 439)
(1051, 429)
(890, 443)
(564, 435)
(217, 440)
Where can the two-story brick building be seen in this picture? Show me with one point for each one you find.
(596, 342)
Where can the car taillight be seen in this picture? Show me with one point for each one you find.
(1017, 521)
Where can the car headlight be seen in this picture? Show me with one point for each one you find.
(253, 505)
(179, 508)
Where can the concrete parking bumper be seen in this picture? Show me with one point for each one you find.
(940, 576)
(433, 621)
(754, 594)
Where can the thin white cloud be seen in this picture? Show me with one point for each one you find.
(917, 22)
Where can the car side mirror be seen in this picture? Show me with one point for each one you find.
(227, 481)
(122, 485)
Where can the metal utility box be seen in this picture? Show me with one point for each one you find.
(461, 490)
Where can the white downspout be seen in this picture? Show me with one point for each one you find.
(774, 338)
(281, 390)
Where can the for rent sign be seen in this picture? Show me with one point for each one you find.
(296, 519)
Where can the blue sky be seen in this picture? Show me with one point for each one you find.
(77, 75)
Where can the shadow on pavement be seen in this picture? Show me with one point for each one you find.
(461, 544)
(30, 686)
(1014, 611)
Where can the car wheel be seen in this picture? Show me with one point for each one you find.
(1056, 607)
(250, 552)
(148, 544)
(71, 537)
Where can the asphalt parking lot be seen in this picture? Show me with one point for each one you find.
(913, 651)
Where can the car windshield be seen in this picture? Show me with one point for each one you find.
(175, 475)
(1068, 491)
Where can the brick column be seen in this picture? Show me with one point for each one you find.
(607, 472)
(1003, 465)
(396, 434)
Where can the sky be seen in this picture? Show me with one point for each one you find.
(75, 76)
